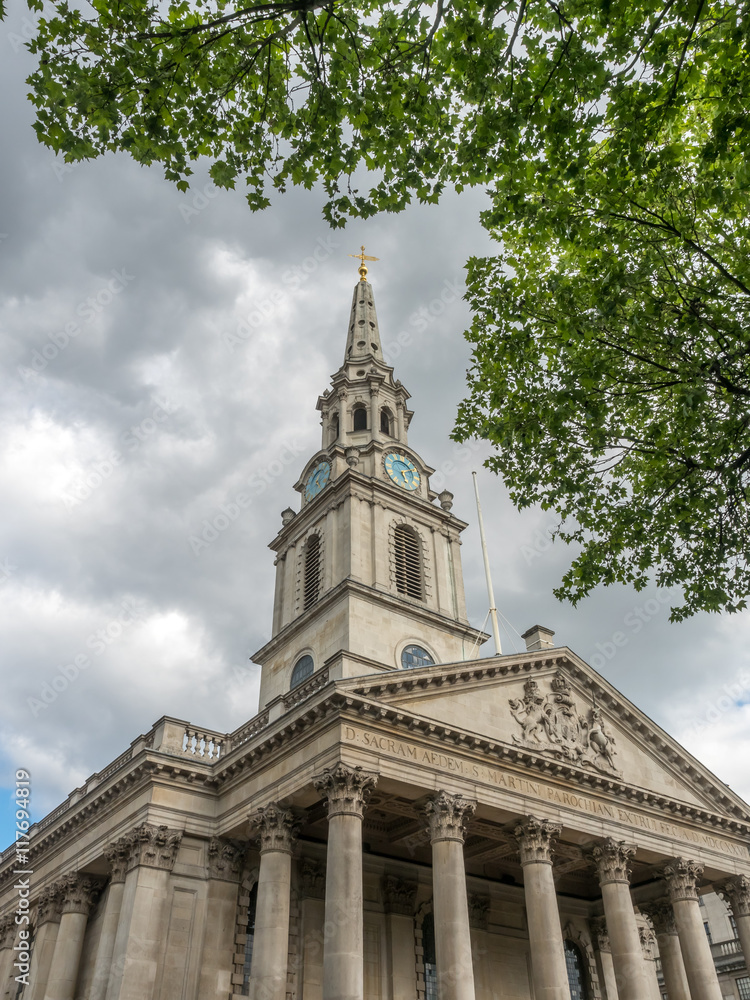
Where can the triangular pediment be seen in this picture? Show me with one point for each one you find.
(552, 706)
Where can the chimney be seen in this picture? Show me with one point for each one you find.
(538, 637)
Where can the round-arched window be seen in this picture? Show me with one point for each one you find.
(576, 973)
(303, 669)
(415, 656)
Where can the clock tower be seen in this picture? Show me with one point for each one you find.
(368, 573)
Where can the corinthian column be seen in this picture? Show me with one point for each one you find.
(225, 859)
(8, 932)
(47, 927)
(736, 894)
(682, 882)
(672, 966)
(143, 916)
(78, 894)
(347, 790)
(447, 816)
(548, 967)
(612, 859)
(277, 829)
(117, 856)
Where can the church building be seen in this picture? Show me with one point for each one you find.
(401, 820)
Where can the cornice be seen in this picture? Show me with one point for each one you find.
(416, 609)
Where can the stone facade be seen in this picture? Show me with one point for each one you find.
(486, 829)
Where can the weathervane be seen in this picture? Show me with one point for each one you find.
(362, 257)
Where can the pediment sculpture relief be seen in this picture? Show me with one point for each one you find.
(551, 723)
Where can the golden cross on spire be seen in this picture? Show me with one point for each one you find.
(362, 257)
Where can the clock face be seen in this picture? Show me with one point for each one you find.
(402, 470)
(317, 480)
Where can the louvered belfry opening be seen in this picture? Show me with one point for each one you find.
(408, 562)
(312, 572)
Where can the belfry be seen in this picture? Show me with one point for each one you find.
(401, 819)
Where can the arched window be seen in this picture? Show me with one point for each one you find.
(428, 957)
(303, 669)
(250, 932)
(360, 419)
(415, 656)
(335, 427)
(385, 422)
(577, 979)
(408, 557)
(311, 587)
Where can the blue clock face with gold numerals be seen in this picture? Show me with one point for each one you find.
(317, 480)
(402, 470)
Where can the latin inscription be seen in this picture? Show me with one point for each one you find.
(496, 776)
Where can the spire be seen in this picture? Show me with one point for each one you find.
(363, 338)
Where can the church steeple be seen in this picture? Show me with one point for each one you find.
(368, 573)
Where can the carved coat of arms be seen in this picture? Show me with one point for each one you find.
(551, 722)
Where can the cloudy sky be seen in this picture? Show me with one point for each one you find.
(162, 353)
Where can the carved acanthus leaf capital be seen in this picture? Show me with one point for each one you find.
(399, 895)
(682, 876)
(118, 855)
(661, 915)
(736, 894)
(612, 860)
(7, 932)
(479, 908)
(347, 789)
(276, 828)
(225, 859)
(648, 942)
(154, 846)
(78, 892)
(601, 934)
(50, 905)
(535, 838)
(447, 816)
(312, 878)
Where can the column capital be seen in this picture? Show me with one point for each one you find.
(648, 941)
(276, 828)
(153, 847)
(535, 838)
(682, 876)
(7, 932)
(601, 934)
(78, 892)
(479, 907)
(49, 909)
(118, 855)
(661, 915)
(735, 892)
(612, 860)
(225, 859)
(399, 895)
(447, 816)
(312, 878)
(347, 789)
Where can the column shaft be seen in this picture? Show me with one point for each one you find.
(63, 975)
(452, 934)
(271, 943)
(696, 951)
(743, 933)
(41, 958)
(607, 970)
(347, 791)
(672, 966)
(736, 894)
(105, 951)
(548, 967)
(343, 969)
(682, 880)
(399, 896)
(625, 942)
